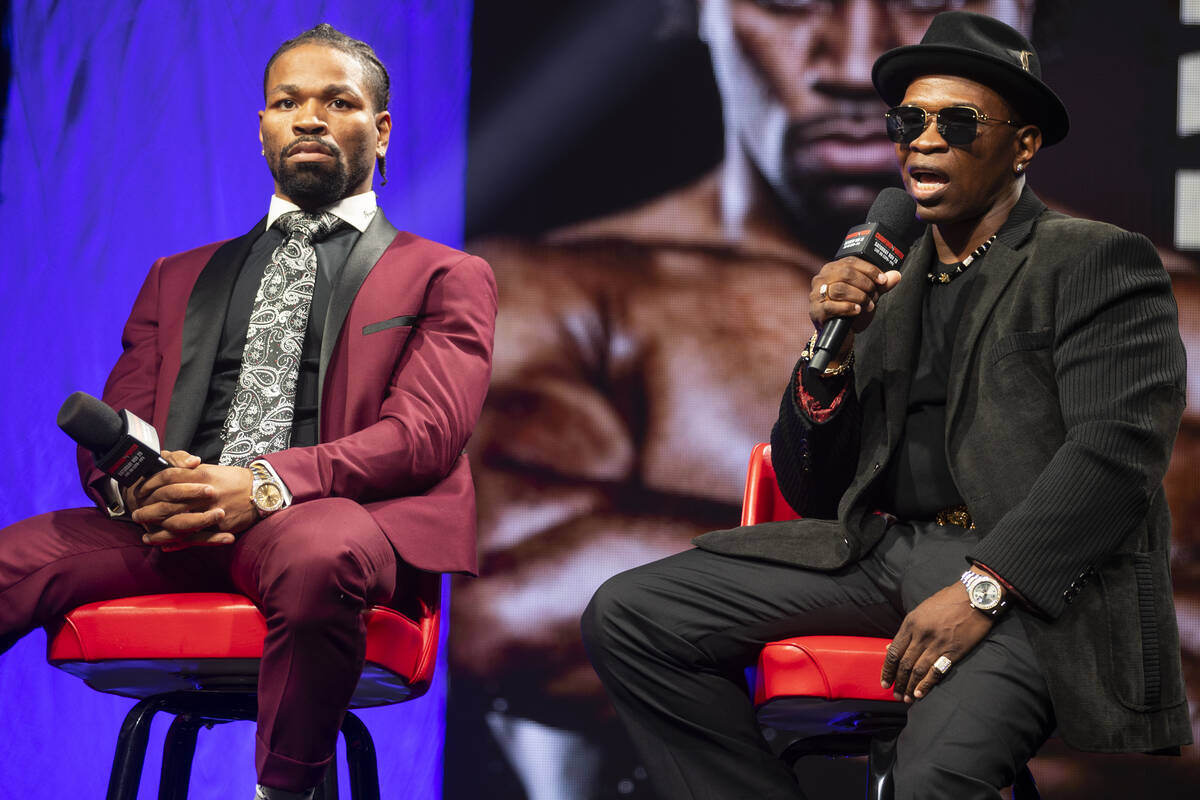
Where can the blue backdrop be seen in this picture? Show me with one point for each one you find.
(131, 133)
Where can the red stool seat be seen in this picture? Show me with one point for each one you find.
(196, 655)
(820, 685)
(143, 646)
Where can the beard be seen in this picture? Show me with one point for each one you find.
(313, 185)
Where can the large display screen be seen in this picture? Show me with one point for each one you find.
(654, 184)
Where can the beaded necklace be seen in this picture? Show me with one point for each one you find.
(945, 277)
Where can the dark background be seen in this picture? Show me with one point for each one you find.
(590, 106)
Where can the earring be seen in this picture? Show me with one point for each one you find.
(1020, 168)
(264, 151)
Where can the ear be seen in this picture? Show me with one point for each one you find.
(383, 126)
(1028, 142)
(260, 124)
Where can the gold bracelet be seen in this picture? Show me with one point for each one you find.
(807, 353)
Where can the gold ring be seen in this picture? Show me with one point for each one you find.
(942, 665)
(823, 292)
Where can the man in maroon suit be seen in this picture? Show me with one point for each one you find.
(313, 383)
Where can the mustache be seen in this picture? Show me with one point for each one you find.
(329, 147)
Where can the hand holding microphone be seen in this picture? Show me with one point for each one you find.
(864, 268)
(176, 498)
(847, 290)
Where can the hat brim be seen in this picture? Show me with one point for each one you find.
(1034, 101)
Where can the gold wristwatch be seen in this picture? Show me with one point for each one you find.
(266, 493)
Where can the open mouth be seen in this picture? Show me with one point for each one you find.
(928, 179)
(926, 183)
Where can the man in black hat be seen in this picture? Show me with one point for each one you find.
(979, 472)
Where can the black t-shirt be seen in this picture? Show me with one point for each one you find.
(918, 483)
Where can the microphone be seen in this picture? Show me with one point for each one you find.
(125, 447)
(883, 240)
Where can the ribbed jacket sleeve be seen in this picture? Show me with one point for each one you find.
(1119, 369)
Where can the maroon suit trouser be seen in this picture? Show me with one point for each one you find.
(312, 569)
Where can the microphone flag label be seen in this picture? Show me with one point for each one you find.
(874, 243)
(130, 463)
(135, 455)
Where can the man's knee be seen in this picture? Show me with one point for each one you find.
(614, 610)
(325, 557)
(54, 562)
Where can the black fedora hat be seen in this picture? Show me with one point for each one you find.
(983, 49)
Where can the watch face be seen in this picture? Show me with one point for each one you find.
(268, 497)
(985, 595)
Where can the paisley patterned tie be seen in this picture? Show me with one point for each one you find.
(264, 403)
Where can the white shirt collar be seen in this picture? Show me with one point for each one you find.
(357, 210)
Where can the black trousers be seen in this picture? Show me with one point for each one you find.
(670, 641)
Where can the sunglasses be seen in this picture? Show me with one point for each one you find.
(958, 125)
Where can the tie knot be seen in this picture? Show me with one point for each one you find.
(308, 227)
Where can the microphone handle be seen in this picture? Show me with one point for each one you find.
(829, 344)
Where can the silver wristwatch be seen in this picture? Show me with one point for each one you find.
(984, 593)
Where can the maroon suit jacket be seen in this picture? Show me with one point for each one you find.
(405, 362)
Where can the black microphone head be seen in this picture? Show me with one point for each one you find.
(893, 209)
(91, 422)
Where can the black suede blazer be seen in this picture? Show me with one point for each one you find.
(1066, 390)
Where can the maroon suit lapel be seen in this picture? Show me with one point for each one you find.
(362, 259)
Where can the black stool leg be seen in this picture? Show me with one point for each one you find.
(178, 751)
(881, 758)
(360, 759)
(328, 788)
(131, 750)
